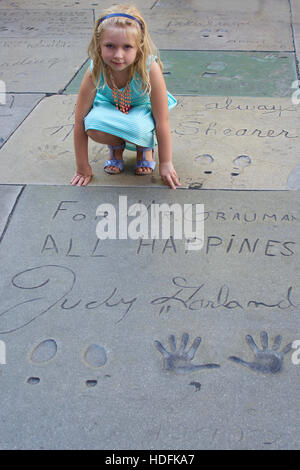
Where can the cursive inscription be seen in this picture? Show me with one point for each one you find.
(229, 105)
(193, 127)
(49, 286)
(193, 298)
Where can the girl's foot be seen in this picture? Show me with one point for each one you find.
(145, 155)
(115, 165)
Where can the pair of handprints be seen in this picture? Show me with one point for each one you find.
(266, 360)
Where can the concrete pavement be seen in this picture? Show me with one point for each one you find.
(193, 349)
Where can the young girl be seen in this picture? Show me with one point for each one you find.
(123, 100)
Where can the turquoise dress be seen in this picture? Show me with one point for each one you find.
(137, 126)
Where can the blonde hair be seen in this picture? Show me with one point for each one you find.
(146, 47)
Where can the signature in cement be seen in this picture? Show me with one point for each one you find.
(180, 360)
(48, 286)
(266, 360)
(193, 297)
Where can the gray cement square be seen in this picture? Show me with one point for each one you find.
(277, 9)
(231, 25)
(206, 73)
(34, 23)
(189, 351)
(218, 143)
(208, 25)
(24, 66)
(193, 349)
(41, 50)
(69, 5)
(14, 111)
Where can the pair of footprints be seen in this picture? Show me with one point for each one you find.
(239, 163)
(94, 356)
(266, 360)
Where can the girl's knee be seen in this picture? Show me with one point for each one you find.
(103, 137)
(98, 136)
(93, 134)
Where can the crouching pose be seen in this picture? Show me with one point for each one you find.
(123, 101)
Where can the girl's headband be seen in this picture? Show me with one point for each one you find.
(112, 15)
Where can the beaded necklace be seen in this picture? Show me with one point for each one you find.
(122, 99)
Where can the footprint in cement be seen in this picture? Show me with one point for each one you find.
(180, 360)
(197, 386)
(205, 160)
(266, 360)
(239, 163)
(94, 356)
(43, 353)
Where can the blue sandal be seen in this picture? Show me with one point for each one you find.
(113, 162)
(143, 163)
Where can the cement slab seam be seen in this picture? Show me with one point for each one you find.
(296, 57)
(294, 40)
(47, 9)
(30, 93)
(75, 74)
(163, 187)
(12, 210)
(154, 4)
(227, 50)
(24, 119)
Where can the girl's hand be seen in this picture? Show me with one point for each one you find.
(168, 174)
(82, 178)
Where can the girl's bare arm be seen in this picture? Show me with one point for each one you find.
(160, 111)
(85, 101)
